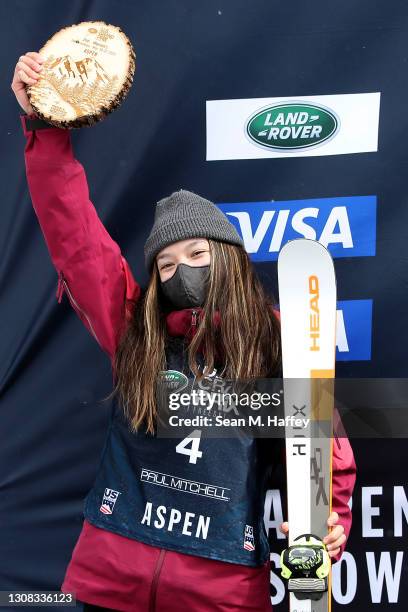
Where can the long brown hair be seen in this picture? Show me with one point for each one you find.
(247, 337)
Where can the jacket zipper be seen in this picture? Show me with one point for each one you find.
(62, 284)
(194, 316)
(60, 288)
(155, 580)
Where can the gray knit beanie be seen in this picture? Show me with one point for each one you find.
(184, 215)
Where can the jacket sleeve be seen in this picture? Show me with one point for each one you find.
(91, 269)
(343, 480)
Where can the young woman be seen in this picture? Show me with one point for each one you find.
(169, 523)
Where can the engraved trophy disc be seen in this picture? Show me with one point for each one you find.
(88, 71)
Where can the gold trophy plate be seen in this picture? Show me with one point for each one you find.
(88, 71)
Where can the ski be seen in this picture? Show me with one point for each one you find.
(307, 299)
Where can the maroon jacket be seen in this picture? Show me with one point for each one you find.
(107, 569)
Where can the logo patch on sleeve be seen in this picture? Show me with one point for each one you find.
(249, 540)
(109, 500)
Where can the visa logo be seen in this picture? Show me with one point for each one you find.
(353, 330)
(346, 225)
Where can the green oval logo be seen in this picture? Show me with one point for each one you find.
(292, 126)
(174, 380)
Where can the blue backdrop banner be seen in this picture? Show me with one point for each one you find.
(289, 116)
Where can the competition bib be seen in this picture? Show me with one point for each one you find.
(196, 495)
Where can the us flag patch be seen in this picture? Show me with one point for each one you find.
(249, 540)
(108, 501)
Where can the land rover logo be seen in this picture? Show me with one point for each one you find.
(292, 126)
(174, 380)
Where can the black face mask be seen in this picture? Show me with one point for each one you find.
(187, 287)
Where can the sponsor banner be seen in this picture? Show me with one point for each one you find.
(346, 226)
(256, 128)
(353, 334)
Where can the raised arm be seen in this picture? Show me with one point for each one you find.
(91, 269)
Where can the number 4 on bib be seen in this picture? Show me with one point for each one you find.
(307, 298)
(190, 446)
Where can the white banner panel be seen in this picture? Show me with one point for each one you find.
(256, 128)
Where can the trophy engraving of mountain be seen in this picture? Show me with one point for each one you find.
(73, 88)
(81, 71)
